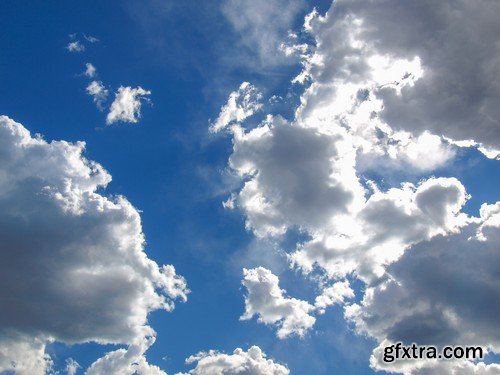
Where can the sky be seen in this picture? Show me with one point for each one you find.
(248, 187)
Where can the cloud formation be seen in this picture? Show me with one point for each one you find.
(446, 293)
(127, 105)
(398, 103)
(434, 74)
(75, 46)
(90, 70)
(98, 92)
(253, 361)
(268, 301)
(72, 262)
(240, 105)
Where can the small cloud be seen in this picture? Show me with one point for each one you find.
(240, 105)
(72, 366)
(90, 38)
(75, 46)
(99, 93)
(90, 70)
(127, 105)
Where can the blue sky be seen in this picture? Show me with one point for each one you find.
(176, 173)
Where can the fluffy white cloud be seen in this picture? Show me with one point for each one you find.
(294, 176)
(127, 105)
(75, 46)
(268, 301)
(128, 361)
(386, 225)
(386, 101)
(441, 292)
(72, 366)
(299, 175)
(72, 262)
(240, 105)
(98, 92)
(434, 74)
(333, 295)
(253, 362)
(90, 70)
(23, 354)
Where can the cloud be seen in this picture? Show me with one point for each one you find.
(383, 229)
(262, 26)
(75, 46)
(289, 176)
(90, 38)
(90, 70)
(98, 92)
(72, 262)
(434, 74)
(335, 294)
(126, 361)
(301, 175)
(399, 104)
(268, 301)
(254, 361)
(72, 366)
(127, 105)
(441, 292)
(240, 105)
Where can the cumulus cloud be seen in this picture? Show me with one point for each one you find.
(269, 302)
(333, 295)
(127, 105)
(299, 175)
(240, 105)
(127, 361)
(90, 70)
(441, 292)
(72, 366)
(385, 101)
(253, 361)
(75, 46)
(290, 179)
(98, 92)
(85, 275)
(434, 74)
(387, 224)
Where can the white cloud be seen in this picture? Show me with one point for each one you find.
(98, 92)
(379, 233)
(128, 361)
(90, 70)
(90, 38)
(378, 99)
(268, 301)
(240, 105)
(291, 178)
(298, 175)
(85, 275)
(72, 366)
(441, 292)
(333, 295)
(434, 74)
(253, 361)
(75, 46)
(127, 105)
(23, 354)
